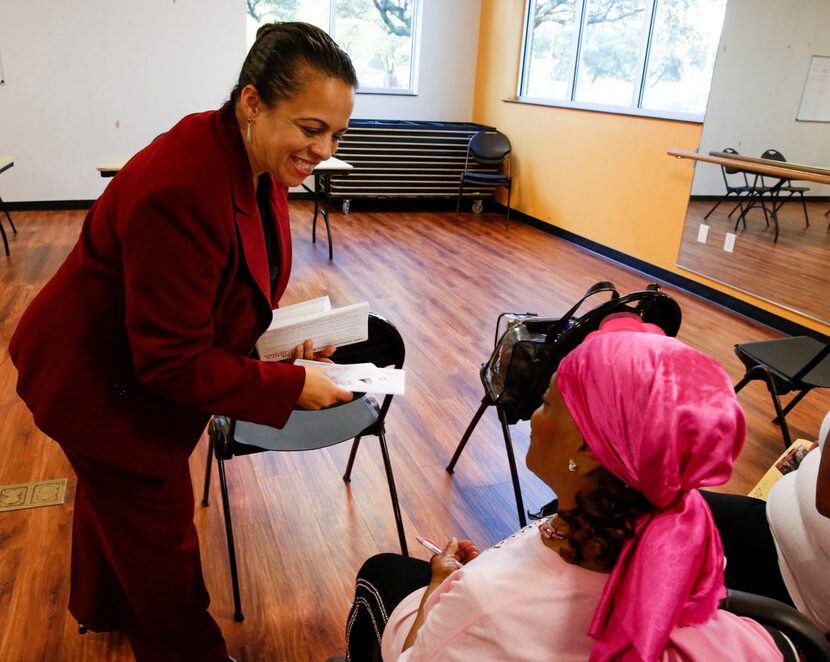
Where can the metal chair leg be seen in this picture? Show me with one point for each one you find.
(458, 203)
(14, 229)
(238, 616)
(393, 493)
(804, 205)
(507, 222)
(792, 403)
(762, 372)
(326, 215)
(316, 208)
(511, 459)
(2, 229)
(485, 402)
(208, 465)
(717, 204)
(348, 475)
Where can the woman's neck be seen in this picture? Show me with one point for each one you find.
(560, 543)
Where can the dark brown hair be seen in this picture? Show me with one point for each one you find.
(277, 64)
(603, 519)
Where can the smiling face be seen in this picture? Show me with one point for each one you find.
(554, 441)
(291, 138)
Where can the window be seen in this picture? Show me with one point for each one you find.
(655, 56)
(379, 35)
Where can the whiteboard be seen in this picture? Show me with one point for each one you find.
(815, 100)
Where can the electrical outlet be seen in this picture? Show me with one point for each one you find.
(703, 233)
(729, 242)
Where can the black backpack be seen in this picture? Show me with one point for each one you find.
(528, 348)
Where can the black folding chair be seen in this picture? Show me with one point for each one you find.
(309, 430)
(785, 186)
(792, 364)
(744, 193)
(488, 148)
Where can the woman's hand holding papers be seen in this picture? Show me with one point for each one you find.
(306, 351)
(319, 391)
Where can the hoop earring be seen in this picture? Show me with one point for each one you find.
(572, 465)
(248, 133)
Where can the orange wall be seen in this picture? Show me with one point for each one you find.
(602, 176)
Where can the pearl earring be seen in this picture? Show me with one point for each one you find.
(572, 465)
(248, 134)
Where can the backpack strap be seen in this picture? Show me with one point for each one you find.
(564, 321)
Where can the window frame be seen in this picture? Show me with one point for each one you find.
(570, 102)
(414, 50)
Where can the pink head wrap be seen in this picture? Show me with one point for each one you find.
(663, 418)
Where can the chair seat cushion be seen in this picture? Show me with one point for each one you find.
(485, 178)
(786, 357)
(307, 430)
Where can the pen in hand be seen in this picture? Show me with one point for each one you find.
(433, 547)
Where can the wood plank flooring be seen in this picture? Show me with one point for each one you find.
(795, 270)
(302, 533)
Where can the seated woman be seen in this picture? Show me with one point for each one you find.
(630, 568)
(781, 548)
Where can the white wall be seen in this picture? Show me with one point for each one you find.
(91, 77)
(759, 75)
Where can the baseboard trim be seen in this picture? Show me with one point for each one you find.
(665, 276)
(49, 205)
(807, 198)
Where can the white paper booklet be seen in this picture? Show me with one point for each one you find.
(313, 319)
(362, 377)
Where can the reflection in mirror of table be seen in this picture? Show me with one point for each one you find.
(791, 273)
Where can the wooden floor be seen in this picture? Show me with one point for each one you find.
(795, 268)
(301, 532)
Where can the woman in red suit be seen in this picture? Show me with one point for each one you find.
(147, 329)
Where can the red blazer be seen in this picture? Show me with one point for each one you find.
(145, 329)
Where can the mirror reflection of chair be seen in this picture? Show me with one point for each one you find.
(786, 186)
(489, 148)
(801, 638)
(786, 365)
(310, 430)
(745, 193)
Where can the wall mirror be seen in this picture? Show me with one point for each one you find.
(763, 61)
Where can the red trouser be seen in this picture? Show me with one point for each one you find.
(136, 564)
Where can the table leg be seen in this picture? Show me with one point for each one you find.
(316, 195)
(6, 210)
(326, 182)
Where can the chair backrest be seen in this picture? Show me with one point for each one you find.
(384, 347)
(773, 154)
(489, 147)
(776, 615)
(729, 170)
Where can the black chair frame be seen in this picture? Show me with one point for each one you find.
(785, 186)
(745, 194)
(223, 443)
(780, 382)
(489, 148)
(778, 617)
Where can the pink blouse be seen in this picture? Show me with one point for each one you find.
(520, 601)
